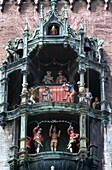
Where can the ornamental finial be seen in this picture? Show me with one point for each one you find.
(81, 27)
(53, 4)
(65, 11)
(26, 29)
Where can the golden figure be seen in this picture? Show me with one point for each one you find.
(53, 30)
(54, 138)
(33, 95)
(96, 103)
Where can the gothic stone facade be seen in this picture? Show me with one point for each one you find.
(97, 22)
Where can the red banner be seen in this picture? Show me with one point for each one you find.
(57, 92)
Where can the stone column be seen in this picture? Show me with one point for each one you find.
(83, 147)
(25, 40)
(24, 98)
(104, 103)
(23, 129)
(23, 126)
(14, 147)
(41, 20)
(93, 148)
(103, 95)
(81, 37)
(3, 88)
(83, 105)
(83, 108)
(65, 20)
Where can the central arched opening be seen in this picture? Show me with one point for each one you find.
(54, 58)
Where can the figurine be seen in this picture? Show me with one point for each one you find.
(73, 137)
(54, 138)
(38, 138)
(19, 46)
(82, 95)
(88, 97)
(100, 44)
(53, 30)
(47, 96)
(48, 79)
(70, 92)
(10, 51)
(96, 104)
(33, 96)
(52, 167)
(28, 144)
(61, 79)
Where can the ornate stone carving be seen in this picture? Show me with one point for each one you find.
(18, 3)
(71, 4)
(106, 6)
(2, 5)
(88, 4)
(36, 3)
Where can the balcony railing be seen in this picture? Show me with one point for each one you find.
(58, 93)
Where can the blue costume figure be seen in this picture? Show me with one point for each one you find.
(70, 92)
(47, 96)
(88, 97)
(48, 79)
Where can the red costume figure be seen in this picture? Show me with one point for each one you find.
(38, 138)
(61, 79)
(28, 143)
(73, 137)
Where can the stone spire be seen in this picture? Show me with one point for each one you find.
(53, 5)
(26, 30)
(81, 36)
(81, 28)
(26, 35)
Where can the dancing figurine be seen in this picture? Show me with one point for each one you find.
(48, 79)
(47, 96)
(61, 79)
(82, 95)
(33, 95)
(38, 138)
(96, 104)
(54, 138)
(72, 139)
(88, 97)
(70, 92)
(28, 144)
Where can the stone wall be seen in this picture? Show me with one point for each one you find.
(108, 146)
(5, 143)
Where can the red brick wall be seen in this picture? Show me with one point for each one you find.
(97, 22)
